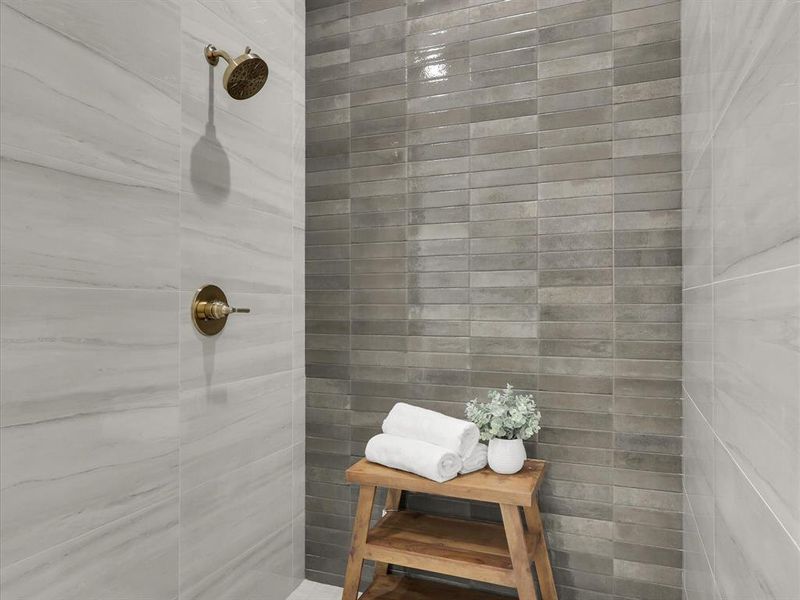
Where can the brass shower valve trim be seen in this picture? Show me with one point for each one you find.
(210, 310)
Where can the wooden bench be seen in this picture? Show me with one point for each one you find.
(489, 552)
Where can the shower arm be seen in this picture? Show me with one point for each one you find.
(213, 55)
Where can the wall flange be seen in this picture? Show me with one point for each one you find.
(210, 310)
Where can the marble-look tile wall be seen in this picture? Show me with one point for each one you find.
(494, 195)
(139, 459)
(741, 224)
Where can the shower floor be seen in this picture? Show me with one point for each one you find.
(310, 590)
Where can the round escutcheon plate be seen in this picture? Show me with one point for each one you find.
(207, 294)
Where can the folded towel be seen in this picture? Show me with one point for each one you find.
(414, 456)
(429, 426)
(476, 460)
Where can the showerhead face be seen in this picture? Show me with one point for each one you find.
(245, 76)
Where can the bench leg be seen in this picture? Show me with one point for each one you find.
(540, 557)
(355, 559)
(392, 504)
(515, 534)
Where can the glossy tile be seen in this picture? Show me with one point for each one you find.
(89, 411)
(461, 232)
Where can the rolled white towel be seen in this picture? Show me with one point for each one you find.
(476, 460)
(408, 421)
(414, 456)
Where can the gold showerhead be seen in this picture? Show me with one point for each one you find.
(245, 75)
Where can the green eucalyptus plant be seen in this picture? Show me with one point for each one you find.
(507, 415)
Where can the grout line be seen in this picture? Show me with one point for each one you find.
(292, 393)
(742, 473)
(179, 295)
(613, 321)
(702, 545)
(738, 277)
(349, 496)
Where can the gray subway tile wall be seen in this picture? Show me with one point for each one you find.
(493, 195)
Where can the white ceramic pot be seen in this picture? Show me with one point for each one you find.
(506, 456)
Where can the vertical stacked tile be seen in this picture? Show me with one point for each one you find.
(327, 285)
(438, 215)
(378, 311)
(502, 195)
(438, 211)
(741, 232)
(505, 176)
(378, 221)
(647, 315)
(575, 294)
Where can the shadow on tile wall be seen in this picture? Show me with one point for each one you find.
(127, 182)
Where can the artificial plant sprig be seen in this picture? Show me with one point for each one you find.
(506, 415)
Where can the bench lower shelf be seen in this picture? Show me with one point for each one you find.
(444, 545)
(391, 587)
